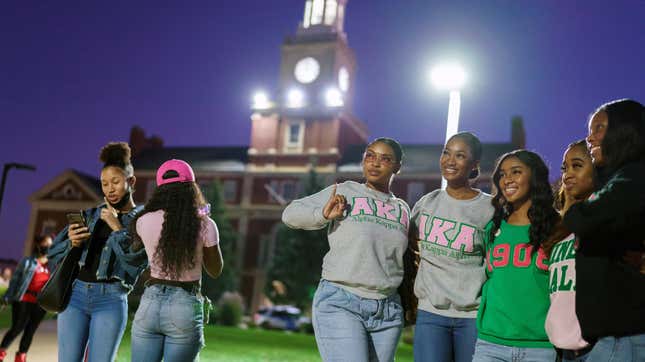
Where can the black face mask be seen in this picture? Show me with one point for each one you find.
(42, 250)
(124, 200)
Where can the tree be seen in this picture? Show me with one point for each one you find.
(228, 280)
(297, 258)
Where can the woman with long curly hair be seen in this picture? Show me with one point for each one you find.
(97, 313)
(610, 289)
(179, 238)
(515, 298)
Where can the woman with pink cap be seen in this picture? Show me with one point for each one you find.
(179, 237)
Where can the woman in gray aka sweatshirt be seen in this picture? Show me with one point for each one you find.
(449, 226)
(357, 314)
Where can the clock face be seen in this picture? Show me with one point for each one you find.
(306, 70)
(343, 79)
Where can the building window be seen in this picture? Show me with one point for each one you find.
(294, 136)
(415, 191)
(229, 191)
(294, 133)
(290, 189)
(280, 191)
(307, 20)
(274, 192)
(317, 12)
(330, 12)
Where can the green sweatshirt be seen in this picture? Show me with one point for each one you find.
(515, 298)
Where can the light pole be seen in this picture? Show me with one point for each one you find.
(5, 170)
(450, 77)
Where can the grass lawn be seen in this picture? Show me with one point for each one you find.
(234, 344)
(5, 314)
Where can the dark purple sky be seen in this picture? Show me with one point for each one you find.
(75, 76)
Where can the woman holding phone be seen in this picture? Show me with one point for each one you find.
(96, 315)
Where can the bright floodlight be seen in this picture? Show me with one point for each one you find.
(295, 98)
(448, 76)
(333, 98)
(261, 100)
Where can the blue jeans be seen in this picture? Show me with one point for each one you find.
(438, 338)
(623, 349)
(168, 324)
(489, 352)
(95, 318)
(351, 328)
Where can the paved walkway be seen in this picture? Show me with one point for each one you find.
(44, 346)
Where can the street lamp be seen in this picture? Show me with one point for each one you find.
(450, 77)
(5, 170)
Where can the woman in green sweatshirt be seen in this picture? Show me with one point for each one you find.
(515, 298)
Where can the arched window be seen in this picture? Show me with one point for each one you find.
(341, 17)
(317, 12)
(307, 20)
(330, 12)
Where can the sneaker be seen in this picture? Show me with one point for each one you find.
(3, 354)
(21, 357)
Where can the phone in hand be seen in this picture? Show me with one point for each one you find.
(76, 218)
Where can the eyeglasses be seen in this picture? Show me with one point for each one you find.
(385, 159)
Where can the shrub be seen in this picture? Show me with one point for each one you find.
(230, 308)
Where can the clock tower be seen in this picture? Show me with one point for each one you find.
(310, 116)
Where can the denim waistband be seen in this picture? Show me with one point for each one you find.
(101, 287)
(190, 288)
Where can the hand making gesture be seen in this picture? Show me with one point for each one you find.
(110, 216)
(335, 207)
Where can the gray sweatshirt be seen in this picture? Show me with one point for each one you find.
(366, 247)
(452, 271)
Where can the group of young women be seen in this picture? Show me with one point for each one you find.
(506, 277)
(173, 235)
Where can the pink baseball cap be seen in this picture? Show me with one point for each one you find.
(183, 169)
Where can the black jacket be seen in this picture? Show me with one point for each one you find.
(610, 294)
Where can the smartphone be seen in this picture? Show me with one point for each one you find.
(76, 218)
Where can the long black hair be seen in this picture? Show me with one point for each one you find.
(625, 138)
(181, 202)
(542, 215)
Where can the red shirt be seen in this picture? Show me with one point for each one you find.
(41, 275)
